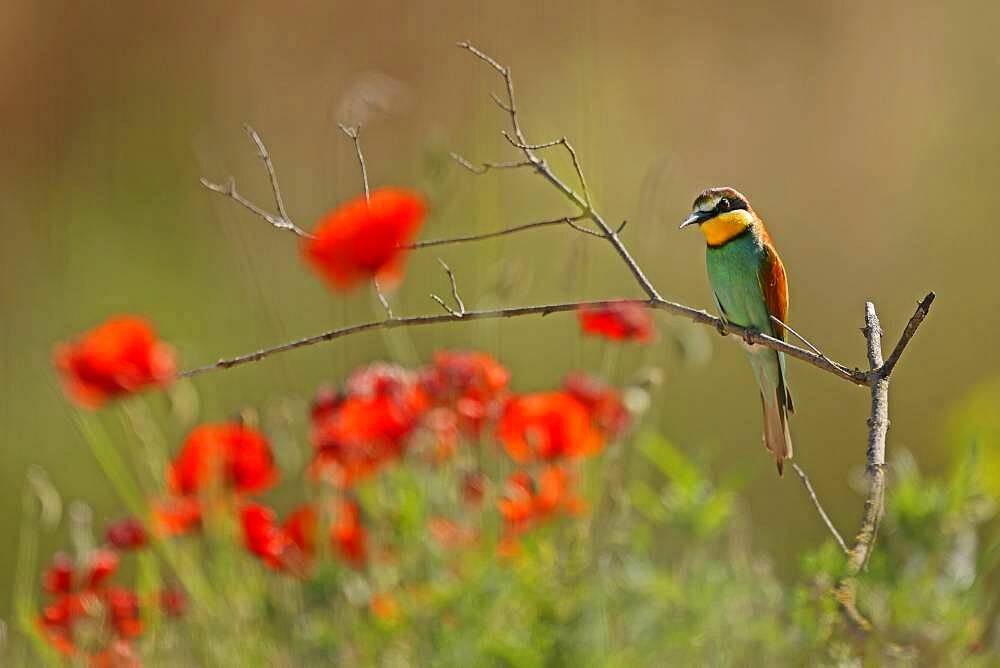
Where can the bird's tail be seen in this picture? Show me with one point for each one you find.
(777, 438)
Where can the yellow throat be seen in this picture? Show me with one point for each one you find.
(725, 226)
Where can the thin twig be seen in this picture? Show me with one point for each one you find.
(454, 286)
(923, 308)
(454, 293)
(354, 134)
(280, 221)
(819, 507)
(484, 167)
(564, 142)
(263, 154)
(489, 235)
(582, 202)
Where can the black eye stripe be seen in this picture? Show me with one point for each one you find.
(734, 205)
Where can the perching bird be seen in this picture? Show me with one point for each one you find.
(748, 280)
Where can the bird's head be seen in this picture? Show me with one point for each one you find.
(721, 213)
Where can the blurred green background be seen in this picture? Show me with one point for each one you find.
(866, 136)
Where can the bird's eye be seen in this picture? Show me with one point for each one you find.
(724, 204)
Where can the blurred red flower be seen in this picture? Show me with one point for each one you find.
(364, 239)
(525, 504)
(127, 534)
(82, 596)
(470, 383)
(237, 454)
(547, 426)
(356, 434)
(300, 526)
(556, 494)
(602, 401)
(176, 515)
(102, 565)
(261, 535)
(58, 577)
(618, 321)
(120, 356)
(349, 536)
(123, 608)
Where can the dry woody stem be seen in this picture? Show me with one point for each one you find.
(588, 220)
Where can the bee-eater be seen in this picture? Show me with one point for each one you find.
(748, 281)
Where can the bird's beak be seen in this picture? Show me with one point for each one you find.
(696, 217)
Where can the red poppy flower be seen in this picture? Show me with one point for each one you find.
(603, 401)
(470, 383)
(127, 534)
(555, 493)
(618, 321)
(547, 426)
(261, 535)
(361, 239)
(348, 534)
(120, 356)
(240, 455)
(123, 608)
(176, 515)
(102, 565)
(300, 527)
(355, 435)
(59, 575)
(84, 597)
(517, 505)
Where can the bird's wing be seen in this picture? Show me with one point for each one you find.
(771, 275)
(772, 281)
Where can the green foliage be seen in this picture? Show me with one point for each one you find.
(596, 590)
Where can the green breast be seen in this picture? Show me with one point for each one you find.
(733, 274)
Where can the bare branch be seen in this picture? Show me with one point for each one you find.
(354, 134)
(454, 286)
(269, 166)
(498, 233)
(923, 308)
(878, 426)
(583, 202)
(454, 293)
(562, 141)
(700, 316)
(819, 507)
(484, 167)
(280, 221)
(580, 228)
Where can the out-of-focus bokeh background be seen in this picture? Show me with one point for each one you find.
(865, 135)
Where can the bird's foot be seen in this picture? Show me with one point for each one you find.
(749, 333)
(721, 327)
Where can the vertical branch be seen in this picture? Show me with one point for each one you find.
(878, 426)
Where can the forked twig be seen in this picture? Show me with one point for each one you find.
(454, 293)
(280, 221)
